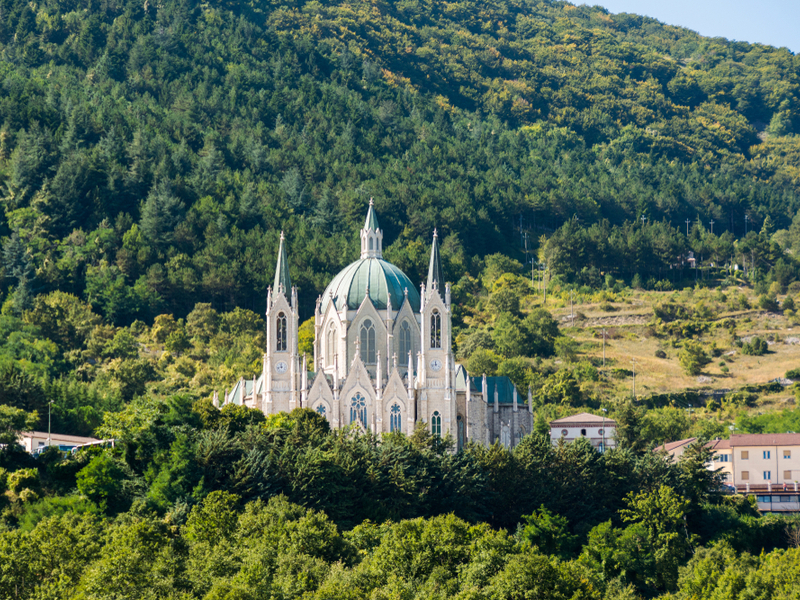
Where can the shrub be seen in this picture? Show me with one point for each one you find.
(661, 354)
(671, 311)
(793, 374)
(755, 347)
(788, 303)
(768, 303)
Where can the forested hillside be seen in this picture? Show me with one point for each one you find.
(151, 152)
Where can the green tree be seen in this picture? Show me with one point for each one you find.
(693, 358)
(13, 421)
(101, 481)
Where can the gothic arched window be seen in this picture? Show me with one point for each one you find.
(404, 341)
(436, 424)
(331, 349)
(371, 243)
(368, 343)
(394, 418)
(358, 409)
(460, 422)
(281, 330)
(321, 409)
(436, 329)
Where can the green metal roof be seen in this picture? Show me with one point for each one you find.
(282, 271)
(383, 279)
(505, 390)
(372, 219)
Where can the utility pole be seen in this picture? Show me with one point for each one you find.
(544, 283)
(603, 431)
(604, 347)
(571, 309)
(643, 220)
(634, 378)
(746, 219)
(712, 226)
(687, 227)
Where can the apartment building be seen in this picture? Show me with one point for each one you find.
(766, 465)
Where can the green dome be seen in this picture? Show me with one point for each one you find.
(383, 279)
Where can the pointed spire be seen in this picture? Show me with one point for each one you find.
(435, 268)
(372, 219)
(282, 281)
(371, 235)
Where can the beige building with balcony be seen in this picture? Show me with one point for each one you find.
(766, 465)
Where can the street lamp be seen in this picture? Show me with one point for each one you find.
(603, 432)
(49, 411)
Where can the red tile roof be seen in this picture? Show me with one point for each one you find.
(765, 439)
(583, 419)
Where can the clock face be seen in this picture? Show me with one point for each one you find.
(281, 367)
(436, 364)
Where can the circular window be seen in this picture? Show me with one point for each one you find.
(601, 431)
(564, 432)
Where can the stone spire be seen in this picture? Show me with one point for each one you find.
(371, 235)
(372, 219)
(435, 268)
(283, 283)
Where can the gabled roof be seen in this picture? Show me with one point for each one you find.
(672, 446)
(583, 419)
(765, 439)
(78, 439)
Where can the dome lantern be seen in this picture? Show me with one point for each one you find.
(371, 235)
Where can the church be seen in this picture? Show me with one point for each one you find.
(383, 358)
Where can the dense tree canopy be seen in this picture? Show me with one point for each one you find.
(149, 153)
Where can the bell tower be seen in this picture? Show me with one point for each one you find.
(281, 365)
(436, 365)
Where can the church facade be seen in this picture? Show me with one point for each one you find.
(383, 358)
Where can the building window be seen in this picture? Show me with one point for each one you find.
(767, 475)
(321, 409)
(281, 330)
(787, 475)
(358, 409)
(785, 499)
(745, 475)
(460, 425)
(564, 433)
(371, 246)
(787, 454)
(331, 349)
(764, 499)
(583, 432)
(436, 329)
(368, 343)
(405, 340)
(436, 424)
(745, 454)
(766, 453)
(395, 418)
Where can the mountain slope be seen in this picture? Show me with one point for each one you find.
(150, 153)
